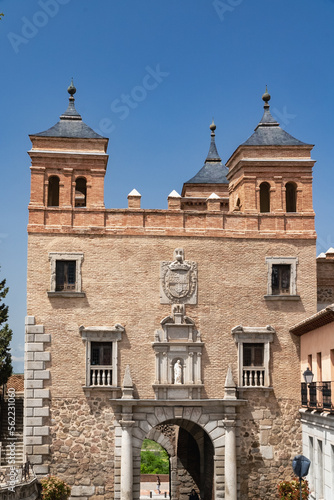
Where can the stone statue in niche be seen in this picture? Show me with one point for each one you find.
(178, 372)
(178, 280)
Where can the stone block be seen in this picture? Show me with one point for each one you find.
(29, 393)
(41, 469)
(28, 431)
(33, 421)
(38, 402)
(41, 431)
(42, 412)
(44, 449)
(36, 459)
(41, 374)
(35, 329)
(30, 337)
(29, 374)
(34, 384)
(28, 412)
(42, 356)
(36, 365)
(43, 337)
(29, 356)
(80, 491)
(42, 393)
(30, 320)
(32, 347)
(33, 440)
(267, 452)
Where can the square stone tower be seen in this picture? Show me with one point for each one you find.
(171, 324)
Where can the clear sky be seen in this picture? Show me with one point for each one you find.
(150, 75)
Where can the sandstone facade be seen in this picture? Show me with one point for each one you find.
(231, 425)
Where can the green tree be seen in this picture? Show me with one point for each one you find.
(154, 458)
(6, 334)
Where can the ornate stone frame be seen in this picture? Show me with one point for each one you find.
(260, 335)
(56, 256)
(292, 262)
(102, 334)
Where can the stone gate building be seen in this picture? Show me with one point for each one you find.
(169, 324)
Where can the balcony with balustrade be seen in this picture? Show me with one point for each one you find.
(317, 396)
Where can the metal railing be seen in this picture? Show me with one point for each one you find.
(317, 396)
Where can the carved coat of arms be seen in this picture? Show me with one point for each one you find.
(178, 280)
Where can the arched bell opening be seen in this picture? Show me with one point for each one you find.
(80, 192)
(291, 197)
(264, 197)
(53, 191)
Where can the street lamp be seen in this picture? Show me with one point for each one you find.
(308, 376)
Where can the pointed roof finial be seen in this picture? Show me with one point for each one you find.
(71, 89)
(213, 128)
(213, 153)
(266, 97)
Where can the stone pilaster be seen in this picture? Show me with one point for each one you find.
(127, 457)
(230, 460)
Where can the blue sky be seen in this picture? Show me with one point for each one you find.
(209, 57)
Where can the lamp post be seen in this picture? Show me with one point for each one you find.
(308, 376)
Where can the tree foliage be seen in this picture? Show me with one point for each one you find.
(6, 334)
(154, 459)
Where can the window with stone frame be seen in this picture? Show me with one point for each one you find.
(101, 355)
(253, 355)
(101, 365)
(282, 277)
(66, 277)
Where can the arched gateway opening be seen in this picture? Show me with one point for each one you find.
(191, 456)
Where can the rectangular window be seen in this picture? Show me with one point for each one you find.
(311, 457)
(280, 279)
(254, 370)
(320, 471)
(309, 361)
(65, 275)
(253, 354)
(101, 364)
(101, 353)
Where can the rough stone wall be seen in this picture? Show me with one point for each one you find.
(82, 445)
(270, 436)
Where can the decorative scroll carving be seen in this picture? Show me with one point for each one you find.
(178, 280)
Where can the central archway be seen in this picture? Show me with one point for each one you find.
(191, 454)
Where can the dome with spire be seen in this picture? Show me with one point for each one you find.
(268, 132)
(213, 171)
(70, 124)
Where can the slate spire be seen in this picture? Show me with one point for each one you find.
(71, 113)
(268, 132)
(213, 153)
